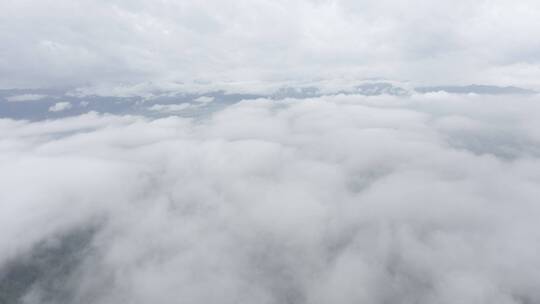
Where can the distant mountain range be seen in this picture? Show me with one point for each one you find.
(476, 89)
(387, 88)
(37, 104)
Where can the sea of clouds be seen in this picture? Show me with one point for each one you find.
(430, 198)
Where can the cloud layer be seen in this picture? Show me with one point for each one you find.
(73, 43)
(423, 199)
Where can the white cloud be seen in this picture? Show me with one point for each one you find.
(343, 199)
(25, 97)
(204, 99)
(169, 108)
(60, 106)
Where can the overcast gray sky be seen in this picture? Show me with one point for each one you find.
(78, 42)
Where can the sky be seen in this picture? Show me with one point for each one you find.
(300, 152)
(79, 43)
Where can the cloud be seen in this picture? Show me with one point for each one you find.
(204, 99)
(338, 199)
(169, 108)
(455, 42)
(179, 108)
(25, 97)
(60, 106)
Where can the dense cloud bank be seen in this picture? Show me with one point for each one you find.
(347, 199)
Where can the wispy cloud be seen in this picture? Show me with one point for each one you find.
(25, 97)
(60, 106)
(169, 108)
